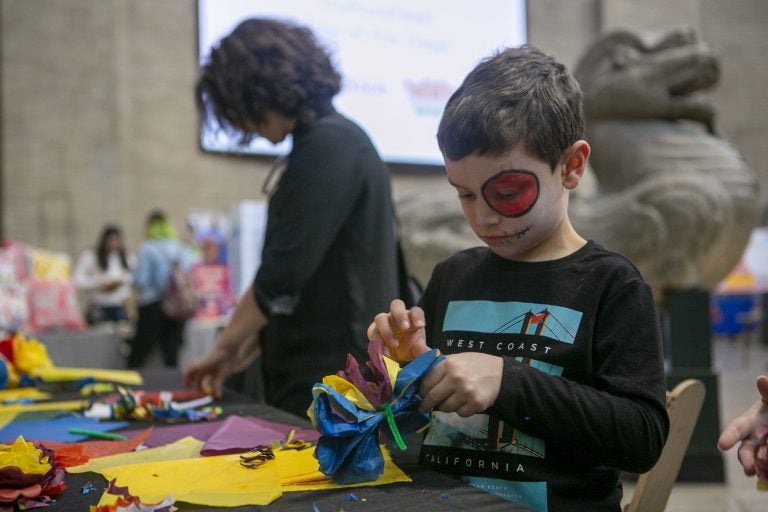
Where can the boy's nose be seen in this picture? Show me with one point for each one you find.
(485, 215)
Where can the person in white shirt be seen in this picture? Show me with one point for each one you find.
(106, 275)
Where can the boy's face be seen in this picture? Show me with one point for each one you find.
(514, 203)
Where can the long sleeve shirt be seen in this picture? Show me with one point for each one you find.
(582, 392)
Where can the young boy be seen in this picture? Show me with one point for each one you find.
(553, 381)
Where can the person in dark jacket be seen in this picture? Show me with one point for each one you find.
(329, 256)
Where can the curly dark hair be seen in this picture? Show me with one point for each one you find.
(516, 97)
(265, 64)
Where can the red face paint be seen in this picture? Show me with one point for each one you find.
(511, 193)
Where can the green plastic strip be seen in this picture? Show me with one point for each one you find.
(393, 427)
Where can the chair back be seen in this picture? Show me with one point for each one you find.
(654, 487)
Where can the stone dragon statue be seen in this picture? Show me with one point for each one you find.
(667, 191)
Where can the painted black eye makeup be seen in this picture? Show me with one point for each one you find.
(511, 193)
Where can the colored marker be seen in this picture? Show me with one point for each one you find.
(97, 434)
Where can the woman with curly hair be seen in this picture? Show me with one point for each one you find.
(329, 260)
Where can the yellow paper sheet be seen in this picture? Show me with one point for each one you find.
(299, 472)
(185, 448)
(213, 481)
(66, 405)
(7, 417)
(221, 481)
(10, 395)
(59, 373)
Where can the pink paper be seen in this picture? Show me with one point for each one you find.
(161, 435)
(239, 434)
(305, 434)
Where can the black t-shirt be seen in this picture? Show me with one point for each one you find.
(329, 258)
(583, 390)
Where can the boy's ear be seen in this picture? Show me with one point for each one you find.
(575, 162)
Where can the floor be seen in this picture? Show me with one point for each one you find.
(738, 364)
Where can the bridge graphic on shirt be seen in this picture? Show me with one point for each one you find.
(481, 316)
(536, 323)
(487, 433)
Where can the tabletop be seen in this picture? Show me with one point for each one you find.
(429, 490)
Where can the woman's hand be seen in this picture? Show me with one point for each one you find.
(207, 373)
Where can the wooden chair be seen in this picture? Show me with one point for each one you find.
(654, 487)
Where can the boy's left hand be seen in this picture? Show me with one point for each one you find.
(466, 383)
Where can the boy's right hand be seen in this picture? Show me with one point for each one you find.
(401, 331)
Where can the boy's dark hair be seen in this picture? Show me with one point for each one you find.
(516, 97)
(265, 65)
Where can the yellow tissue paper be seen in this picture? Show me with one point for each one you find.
(12, 395)
(299, 471)
(59, 373)
(7, 416)
(393, 368)
(25, 456)
(64, 405)
(29, 355)
(349, 391)
(185, 448)
(218, 481)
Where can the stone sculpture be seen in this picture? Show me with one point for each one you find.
(668, 192)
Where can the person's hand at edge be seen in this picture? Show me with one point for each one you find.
(743, 428)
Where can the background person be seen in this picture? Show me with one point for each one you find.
(156, 257)
(747, 428)
(329, 257)
(105, 273)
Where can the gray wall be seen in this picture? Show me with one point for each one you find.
(99, 124)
